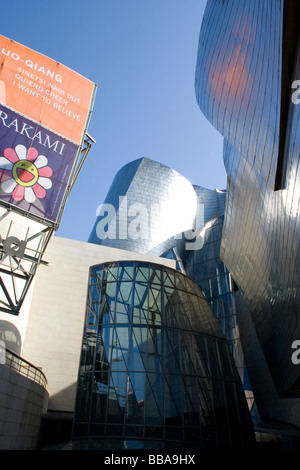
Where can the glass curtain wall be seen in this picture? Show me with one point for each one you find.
(155, 368)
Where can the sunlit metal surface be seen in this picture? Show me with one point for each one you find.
(148, 209)
(239, 89)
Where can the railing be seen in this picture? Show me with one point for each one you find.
(15, 362)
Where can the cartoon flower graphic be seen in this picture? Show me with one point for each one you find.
(24, 173)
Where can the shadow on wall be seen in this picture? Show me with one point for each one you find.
(56, 424)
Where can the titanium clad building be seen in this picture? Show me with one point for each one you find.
(246, 84)
(148, 208)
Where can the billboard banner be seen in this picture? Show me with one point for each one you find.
(44, 90)
(35, 165)
(44, 112)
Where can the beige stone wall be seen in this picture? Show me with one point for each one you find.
(56, 318)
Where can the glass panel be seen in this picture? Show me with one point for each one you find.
(186, 355)
(181, 313)
(142, 273)
(154, 432)
(135, 398)
(200, 365)
(157, 385)
(105, 315)
(111, 290)
(147, 348)
(174, 434)
(172, 360)
(155, 354)
(99, 402)
(180, 282)
(135, 358)
(92, 312)
(220, 405)
(134, 431)
(169, 291)
(140, 315)
(126, 272)
(170, 317)
(215, 370)
(154, 275)
(191, 416)
(93, 278)
(80, 430)
(88, 351)
(191, 287)
(124, 292)
(121, 312)
(137, 382)
(141, 291)
(172, 393)
(97, 430)
(107, 342)
(116, 397)
(84, 398)
(141, 334)
(112, 273)
(140, 303)
(94, 292)
(154, 399)
(114, 431)
(155, 305)
(96, 272)
(168, 279)
(120, 345)
(193, 435)
(118, 380)
(205, 401)
(101, 360)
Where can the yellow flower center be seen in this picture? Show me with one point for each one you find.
(25, 173)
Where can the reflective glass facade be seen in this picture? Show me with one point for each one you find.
(243, 88)
(155, 368)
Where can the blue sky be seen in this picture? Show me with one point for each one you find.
(142, 55)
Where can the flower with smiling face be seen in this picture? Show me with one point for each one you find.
(24, 173)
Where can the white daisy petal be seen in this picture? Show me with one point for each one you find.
(29, 195)
(41, 161)
(21, 151)
(45, 182)
(9, 185)
(5, 164)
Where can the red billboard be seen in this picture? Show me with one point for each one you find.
(44, 111)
